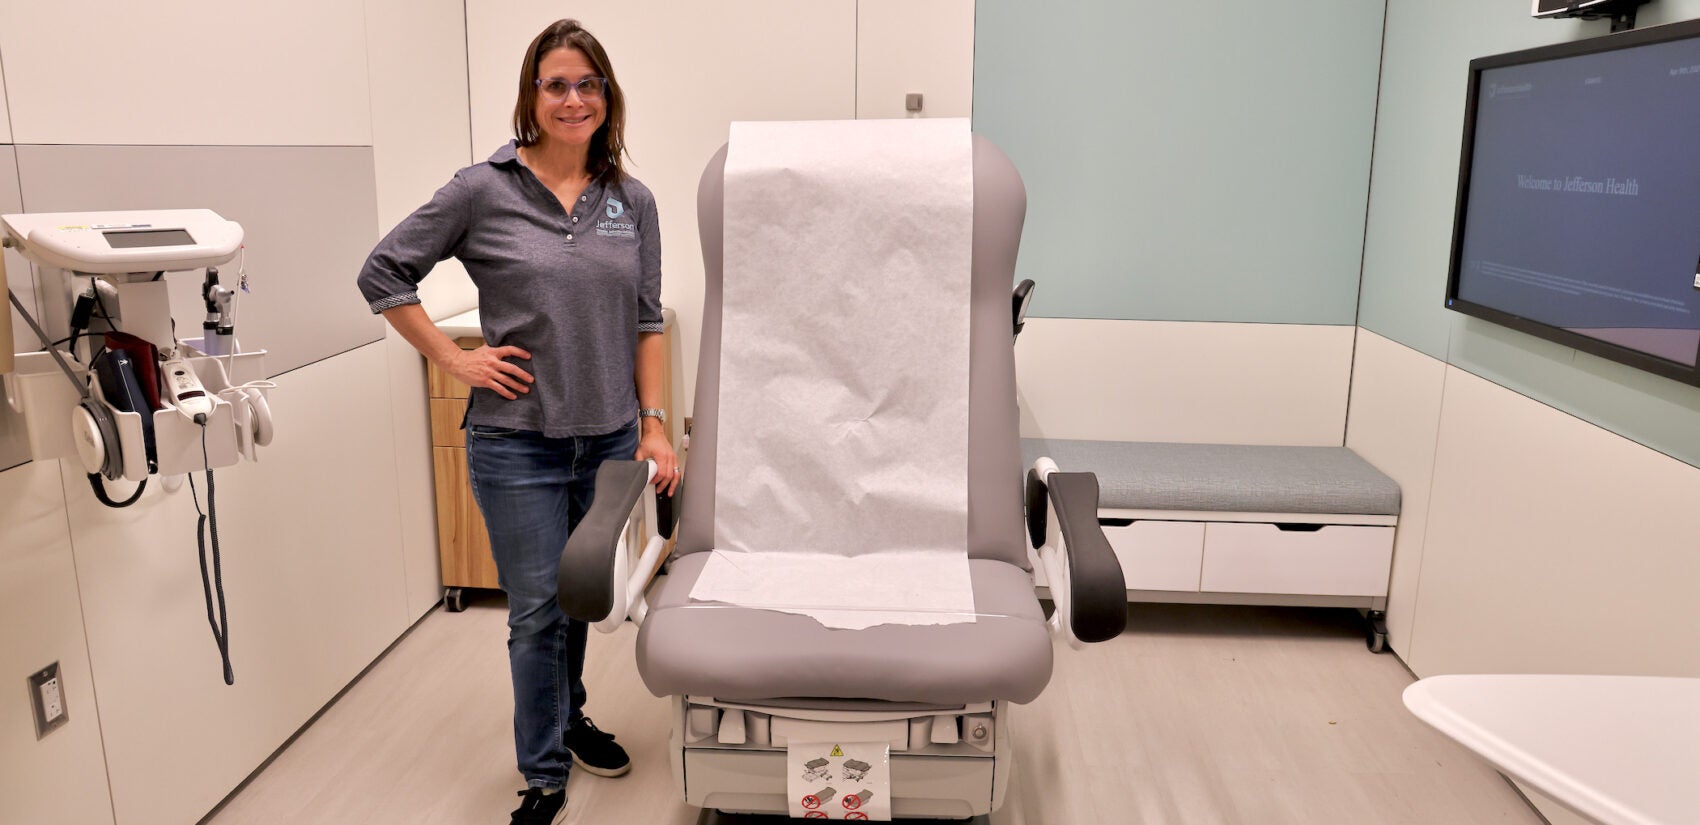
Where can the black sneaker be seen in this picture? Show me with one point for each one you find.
(539, 808)
(594, 750)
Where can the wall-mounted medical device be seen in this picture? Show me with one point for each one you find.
(102, 286)
(113, 387)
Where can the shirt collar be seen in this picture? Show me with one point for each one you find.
(509, 153)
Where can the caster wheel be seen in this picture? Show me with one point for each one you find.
(454, 600)
(1376, 637)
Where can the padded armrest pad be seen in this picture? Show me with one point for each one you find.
(1099, 593)
(584, 584)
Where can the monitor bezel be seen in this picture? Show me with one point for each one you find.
(1688, 374)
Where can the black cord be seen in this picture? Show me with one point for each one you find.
(100, 493)
(221, 622)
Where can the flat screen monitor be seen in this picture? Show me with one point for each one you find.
(1578, 215)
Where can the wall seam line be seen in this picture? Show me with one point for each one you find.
(1363, 243)
(88, 652)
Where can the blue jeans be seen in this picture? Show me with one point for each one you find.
(533, 491)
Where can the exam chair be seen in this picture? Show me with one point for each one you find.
(743, 682)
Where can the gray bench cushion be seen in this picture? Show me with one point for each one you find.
(1140, 475)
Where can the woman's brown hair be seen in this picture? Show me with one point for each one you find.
(608, 146)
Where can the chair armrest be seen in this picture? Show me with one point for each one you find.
(587, 579)
(1097, 591)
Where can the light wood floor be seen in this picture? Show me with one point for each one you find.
(1197, 715)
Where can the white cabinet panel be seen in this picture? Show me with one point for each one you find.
(903, 46)
(688, 70)
(1336, 560)
(1158, 555)
(197, 72)
(1184, 381)
(313, 581)
(60, 778)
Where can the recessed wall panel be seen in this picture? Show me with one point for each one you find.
(308, 214)
(689, 70)
(1174, 381)
(925, 48)
(60, 778)
(1198, 162)
(198, 72)
(1392, 422)
(313, 581)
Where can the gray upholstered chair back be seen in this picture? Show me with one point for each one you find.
(994, 450)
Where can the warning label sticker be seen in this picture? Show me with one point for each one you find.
(839, 780)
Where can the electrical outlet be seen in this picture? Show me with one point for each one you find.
(47, 696)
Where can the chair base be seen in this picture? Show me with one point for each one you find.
(957, 779)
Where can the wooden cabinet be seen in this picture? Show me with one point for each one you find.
(463, 545)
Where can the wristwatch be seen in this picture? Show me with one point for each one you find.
(651, 412)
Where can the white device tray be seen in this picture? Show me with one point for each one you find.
(38, 390)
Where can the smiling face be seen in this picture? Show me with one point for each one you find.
(572, 119)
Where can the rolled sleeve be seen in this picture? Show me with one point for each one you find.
(435, 231)
(649, 258)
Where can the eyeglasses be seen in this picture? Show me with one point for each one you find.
(557, 88)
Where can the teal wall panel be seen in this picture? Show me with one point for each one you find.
(1425, 66)
(1209, 163)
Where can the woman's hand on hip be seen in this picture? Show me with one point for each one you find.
(484, 367)
(655, 447)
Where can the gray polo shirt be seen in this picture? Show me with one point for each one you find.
(574, 289)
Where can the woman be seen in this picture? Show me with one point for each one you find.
(564, 248)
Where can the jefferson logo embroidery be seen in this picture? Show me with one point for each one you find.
(613, 228)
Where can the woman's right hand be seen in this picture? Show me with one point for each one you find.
(484, 367)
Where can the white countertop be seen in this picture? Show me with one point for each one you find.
(465, 325)
(1619, 750)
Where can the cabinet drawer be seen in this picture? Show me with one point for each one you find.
(463, 545)
(1334, 560)
(1158, 555)
(443, 385)
(446, 414)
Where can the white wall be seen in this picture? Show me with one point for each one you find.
(329, 541)
(420, 136)
(313, 580)
(197, 72)
(1184, 381)
(903, 46)
(61, 778)
(1395, 418)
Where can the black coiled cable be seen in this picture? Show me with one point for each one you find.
(220, 621)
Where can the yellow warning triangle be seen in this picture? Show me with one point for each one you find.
(836, 751)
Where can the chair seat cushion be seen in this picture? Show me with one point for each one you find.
(1247, 478)
(734, 653)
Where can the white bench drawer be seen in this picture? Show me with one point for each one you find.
(1159, 555)
(1335, 560)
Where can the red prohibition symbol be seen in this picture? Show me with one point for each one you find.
(855, 815)
(852, 802)
(817, 815)
(812, 802)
